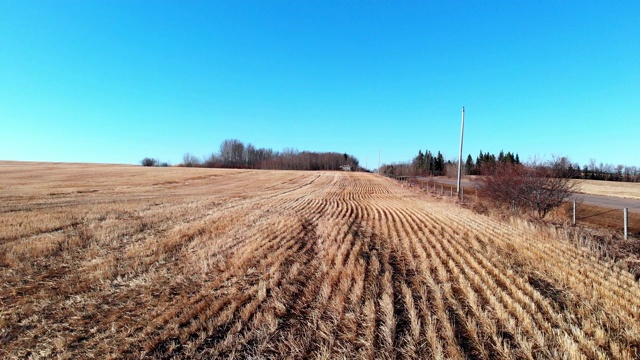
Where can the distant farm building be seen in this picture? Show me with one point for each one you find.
(346, 167)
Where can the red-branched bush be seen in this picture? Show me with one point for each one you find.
(536, 187)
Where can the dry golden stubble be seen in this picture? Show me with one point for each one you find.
(125, 262)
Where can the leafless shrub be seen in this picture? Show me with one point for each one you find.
(149, 162)
(539, 187)
(190, 160)
(153, 162)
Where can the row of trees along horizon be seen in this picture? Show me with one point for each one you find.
(235, 154)
(431, 164)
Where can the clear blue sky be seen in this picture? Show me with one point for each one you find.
(115, 81)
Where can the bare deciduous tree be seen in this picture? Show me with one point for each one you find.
(451, 169)
(539, 187)
(234, 154)
(190, 160)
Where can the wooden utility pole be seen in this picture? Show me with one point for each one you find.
(460, 155)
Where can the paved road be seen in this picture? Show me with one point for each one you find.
(612, 202)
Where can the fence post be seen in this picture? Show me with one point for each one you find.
(451, 190)
(441, 189)
(574, 213)
(461, 193)
(626, 223)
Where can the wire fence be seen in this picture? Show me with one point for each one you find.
(624, 219)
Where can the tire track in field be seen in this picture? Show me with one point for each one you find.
(235, 206)
(271, 245)
(284, 231)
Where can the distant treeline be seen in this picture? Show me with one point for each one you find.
(609, 172)
(235, 154)
(430, 164)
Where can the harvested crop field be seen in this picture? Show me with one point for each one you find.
(112, 261)
(609, 188)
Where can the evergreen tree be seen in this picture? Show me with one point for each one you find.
(469, 166)
(429, 161)
(420, 161)
(509, 158)
(439, 164)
